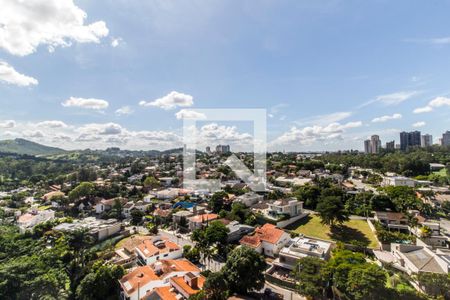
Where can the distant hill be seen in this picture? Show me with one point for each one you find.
(21, 146)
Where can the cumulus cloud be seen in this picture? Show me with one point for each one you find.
(8, 124)
(391, 99)
(311, 134)
(189, 114)
(221, 133)
(116, 42)
(87, 103)
(9, 75)
(52, 124)
(387, 118)
(25, 25)
(33, 134)
(419, 124)
(124, 110)
(101, 129)
(171, 101)
(435, 103)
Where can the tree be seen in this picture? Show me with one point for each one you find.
(84, 189)
(311, 280)
(332, 210)
(435, 284)
(244, 269)
(217, 201)
(215, 287)
(366, 282)
(309, 194)
(151, 183)
(136, 216)
(340, 265)
(101, 282)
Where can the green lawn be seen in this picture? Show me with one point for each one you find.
(442, 172)
(357, 230)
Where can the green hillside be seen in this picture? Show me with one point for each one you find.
(21, 146)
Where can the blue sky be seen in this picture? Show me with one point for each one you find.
(329, 73)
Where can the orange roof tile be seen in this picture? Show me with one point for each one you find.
(179, 283)
(163, 293)
(148, 249)
(268, 233)
(139, 276)
(203, 218)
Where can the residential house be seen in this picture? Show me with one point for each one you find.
(142, 281)
(237, 231)
(392, 220)
(156, 248)
(398, 181)
(267, 240)
(127, 208)
(414, 259)
(28, 220)
(98, 228)
(249, 199)
(285, 211)
(200, 221)
(106, 205)
(300, 247)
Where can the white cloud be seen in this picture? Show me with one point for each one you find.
(33, 134)
(124, 110)
(52, 124)
(311, 134)
(387, 118)
(8, 124)
(324, 119)
(9, 75)
(170, 101)
(102, 129)
(419, 124)
(87, 103)
(25, 25)
(214, 132)
(391, 99)
(116, 42)
(189, 114)
(435, 41)
(435, 103)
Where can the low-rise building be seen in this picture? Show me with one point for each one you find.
(249, 199)
(237, 231)
(143, 281)
(34, 217)
(98, 228)
(267, 240)
(414, 259)
(156, 248)
(105, 205)
(200, 221)
(300, 247)
(398, 181)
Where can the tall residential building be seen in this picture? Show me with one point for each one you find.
(426, 140)
(223, 149)
(375, 143)
(367, 147)
(390, 146)
(409, 140)
(446, 138)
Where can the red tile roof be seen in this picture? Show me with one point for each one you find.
(268, 233)
(148, 248)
